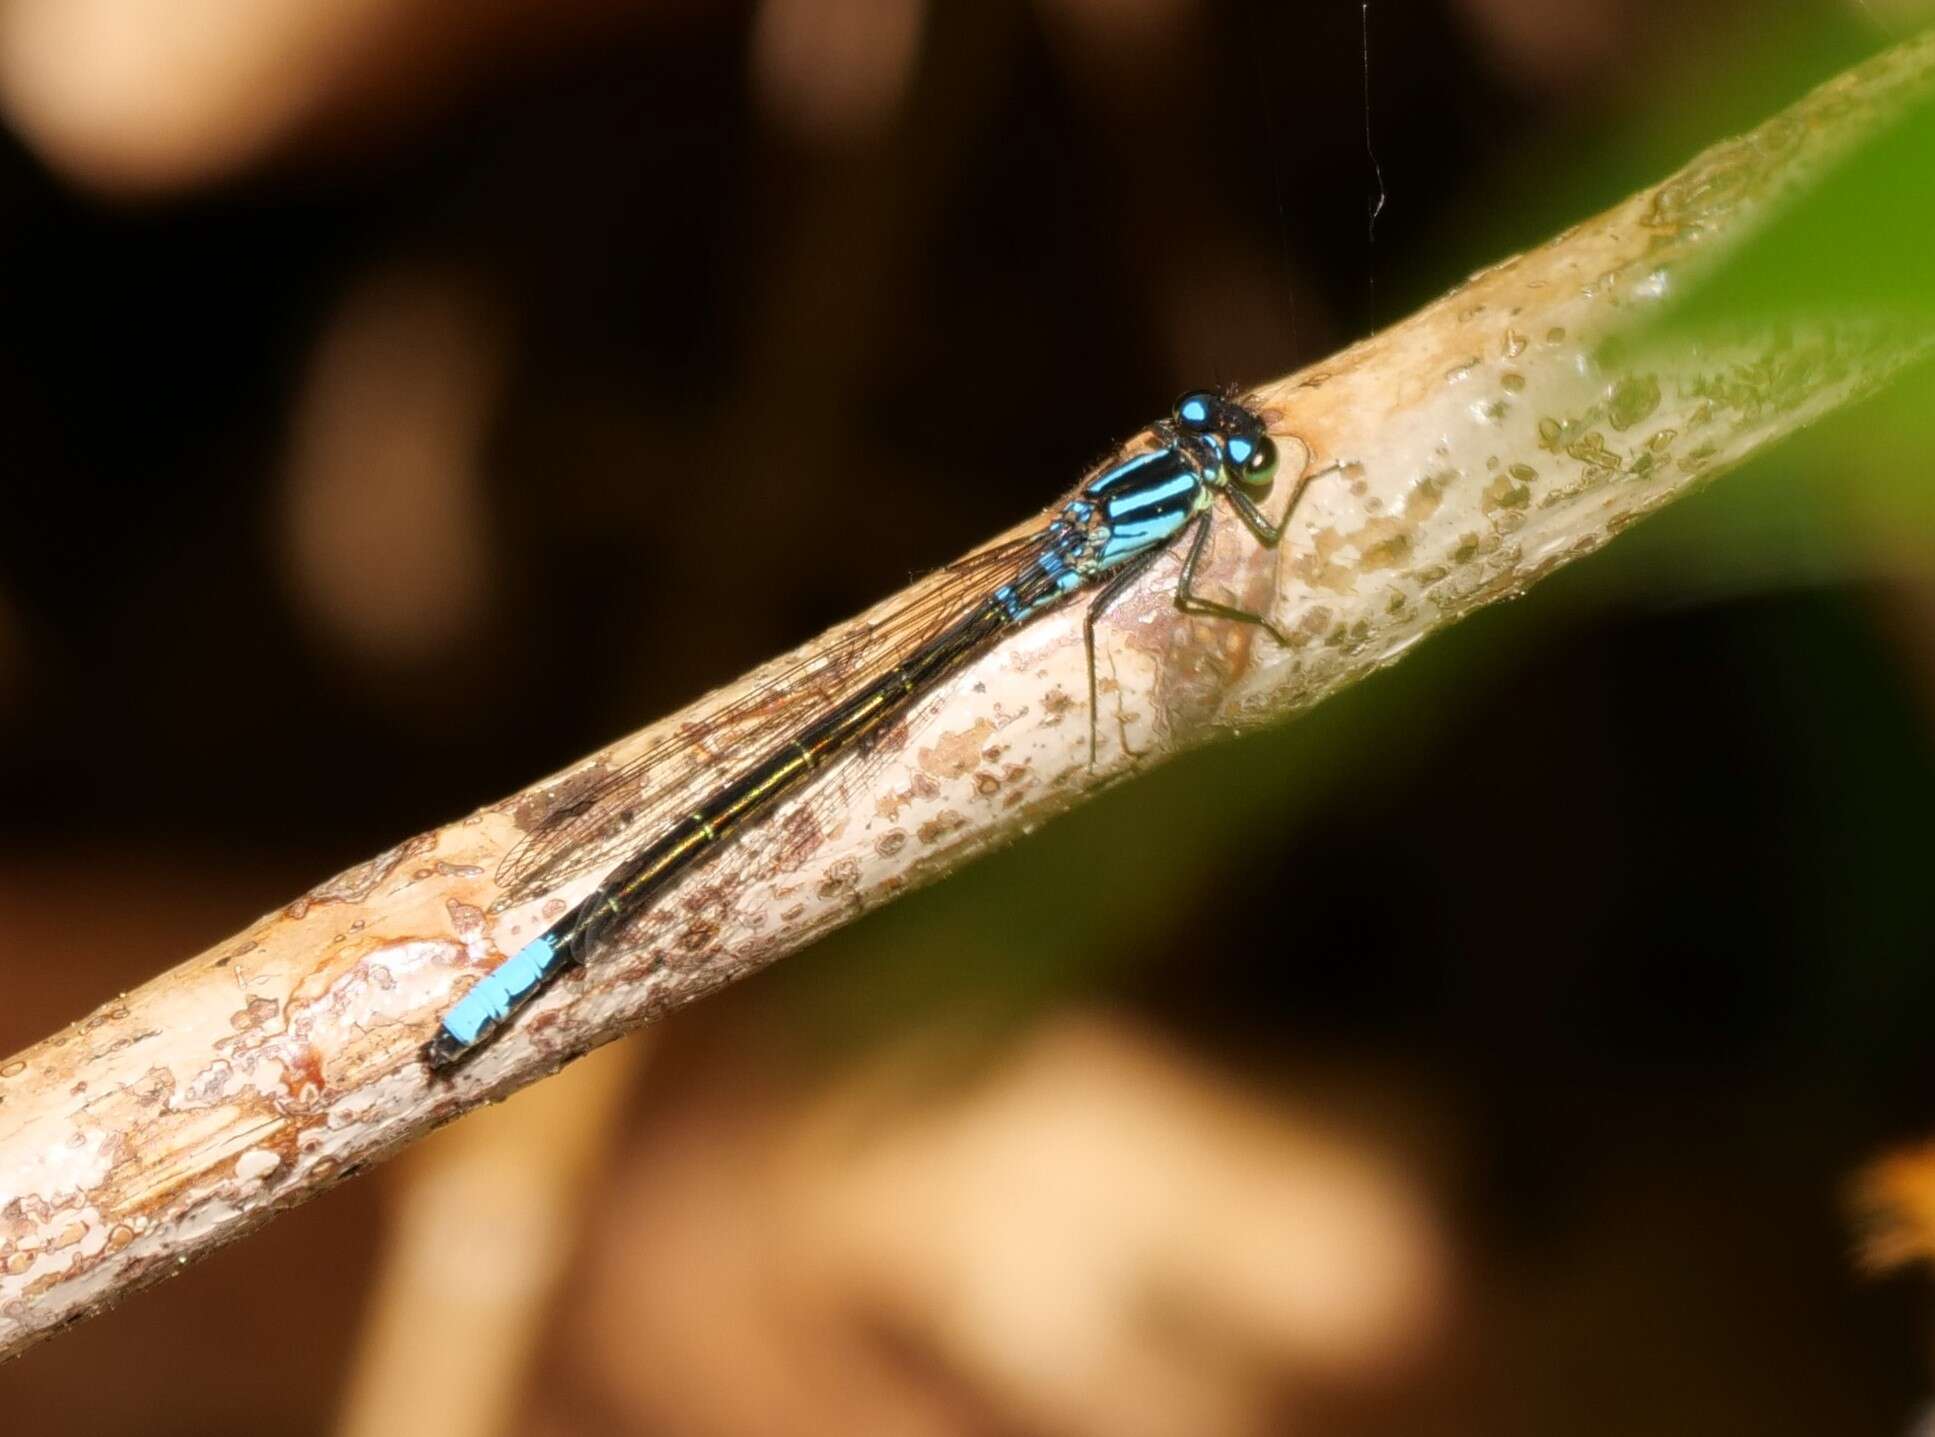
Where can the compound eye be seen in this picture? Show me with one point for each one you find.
(1259, 466)
(1196, 411)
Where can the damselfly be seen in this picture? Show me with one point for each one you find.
(639, 825)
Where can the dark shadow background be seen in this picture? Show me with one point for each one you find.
(1626, 888)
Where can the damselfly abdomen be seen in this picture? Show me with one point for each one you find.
(1118, 522)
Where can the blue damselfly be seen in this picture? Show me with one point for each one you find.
(1115, 524)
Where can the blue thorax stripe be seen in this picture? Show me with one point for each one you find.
(1154, 467)
(1146, 498)
(1144, 501)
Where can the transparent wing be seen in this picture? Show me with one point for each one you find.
(593, 817)
(778, 849)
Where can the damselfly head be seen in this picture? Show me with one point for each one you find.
(1239, 448)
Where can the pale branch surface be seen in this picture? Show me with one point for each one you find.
(1482, 442)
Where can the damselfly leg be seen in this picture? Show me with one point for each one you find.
(1111, 591)
(1267, 534)
(1188, 601)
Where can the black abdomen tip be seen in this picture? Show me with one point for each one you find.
(443, 1051)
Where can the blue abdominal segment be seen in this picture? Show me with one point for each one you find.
(491, 1001)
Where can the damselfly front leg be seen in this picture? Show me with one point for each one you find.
(1189, 603)
(1248, 458)
(1267, 534)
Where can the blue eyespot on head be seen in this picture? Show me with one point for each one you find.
(1238, 448)
(1197, 411)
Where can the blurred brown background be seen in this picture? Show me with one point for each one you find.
(399, 398)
